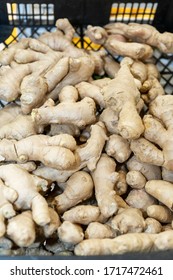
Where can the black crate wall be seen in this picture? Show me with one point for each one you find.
(21, 18)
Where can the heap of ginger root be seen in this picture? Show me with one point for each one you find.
(86, 166)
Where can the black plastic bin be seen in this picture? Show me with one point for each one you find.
(35, 17)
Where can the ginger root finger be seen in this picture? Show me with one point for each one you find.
(105, 178)
(126, 243)
(28, 196)
(161, 190)
(79, 187)
(21, 229)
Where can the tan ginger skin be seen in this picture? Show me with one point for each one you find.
(162, 191)
(9, 113)
(21, 229)
(90, 152)
(78, 113)
(130, 125)
(140, 199)
(160, 123)
(53, 225)
(161, 213)
(143, 33)
(82, 214)
(70, 233)
(118, 148)
(117, 44)
(127, 243)
(152, 226)
(55, 151)
(79, 187)
(22, 127)
(128, 220)
(121, 184)
(149, 171)
(98, 230)
(28, 197)
(7, 198)
(105, 178)
(135, 179)
(86, 89)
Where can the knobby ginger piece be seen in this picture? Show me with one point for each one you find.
(80, 69)
(9, 113)
(118, 148)
(139, 70)
(96, 230)
(10, 82)
(28, 197)
(147, 152)
(161, 190)
(128, 220)
(152, 226)
(35, 87)
(53, 174)
(132, 49)
(135, 179)
(97, 34)
(126, 243)
(54, 223)
(116, 44)
(21, 229)
(121, 184)
(140, 199)
(64, 25)
(105, 177)
(143, 33)
(164, 241)
(110, 119)
(82, 214)
(160, 212)
(7, 55)
(111, 66)
(70, 233)
(7, 197)
(124, 102)
(22, 127)
(79, 187)
(78, 113)
(87, 89)
(70, 129)
(158, 127)
(55, 151)
(149, 171)
(90, 152)
(97, 57)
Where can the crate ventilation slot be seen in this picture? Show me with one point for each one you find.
(133, 12)
(30, 14)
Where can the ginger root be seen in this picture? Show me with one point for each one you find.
(79, 187)
(27, 197)
(55, 151)
(161, 190)
(105, 177)
(21, 229)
